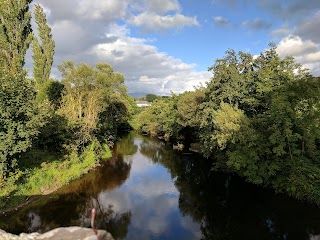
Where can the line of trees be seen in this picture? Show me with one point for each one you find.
(257, 116)
(88, 105)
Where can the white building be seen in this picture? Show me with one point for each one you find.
(143, 104)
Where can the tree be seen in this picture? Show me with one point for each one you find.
(160, 118)
(270, 133)
(92, 98)
(15, 34)
(189, 108)
(54, 91)
(20, 119)
(43, 53)
(151, 97)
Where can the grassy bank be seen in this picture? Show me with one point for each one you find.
(53, 172)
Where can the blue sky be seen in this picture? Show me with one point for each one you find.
(167, 45)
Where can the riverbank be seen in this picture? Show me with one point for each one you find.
(46, 173)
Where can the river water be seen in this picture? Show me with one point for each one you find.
(149, 191)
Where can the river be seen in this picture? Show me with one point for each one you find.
(149, 191)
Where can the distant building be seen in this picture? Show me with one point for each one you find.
(143, 104)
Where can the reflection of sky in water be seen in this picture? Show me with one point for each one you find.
(35, 221)
(145, 204)
(152, 198)
(316, 237)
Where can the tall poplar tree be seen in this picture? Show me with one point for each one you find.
(15, 34)
(20, 118)
(44, 51)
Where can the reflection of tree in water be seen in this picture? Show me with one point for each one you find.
(227, 207)
(159, 152)
(116, 223)
(71, 205)
(126, 146)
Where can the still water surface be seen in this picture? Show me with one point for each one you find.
(148, 191)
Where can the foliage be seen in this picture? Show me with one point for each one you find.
(42, 53)
(20, 119)
(151, 97)
(54, 90)
(189, 109)
(70, 118)
(278, 132)
(15, 35)
(51, 173)
(160, 118)
(258, 116)
(94, 99)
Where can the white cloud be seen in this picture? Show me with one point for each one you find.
(66, 33)
(147, 69)
(295, 46)
(309, 28)
(286, 9)
(102, 9)
(306, 52)
(86, 31)
(280, 32)
(280, 9)
(256, 24)
(106, 10)
(156, 6)
(153, 22)
(220, 20)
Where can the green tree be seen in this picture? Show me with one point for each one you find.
(160, 118)
(94, 99)
(258, 117)
(189, 108)
(270, 133)
(54, 92)
(151, 97)
(15, 34)
(20, 119)
(42, 53)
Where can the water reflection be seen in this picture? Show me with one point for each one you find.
(71, 205)
(228, 208)
(148, 191)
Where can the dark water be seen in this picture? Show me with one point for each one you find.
(148, 191)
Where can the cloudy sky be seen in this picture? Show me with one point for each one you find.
(167, 45)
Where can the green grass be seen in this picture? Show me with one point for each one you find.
(48, 176)
(106, 153)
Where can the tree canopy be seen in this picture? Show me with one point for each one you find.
(257, 116)
(42, 52)
(15, 34)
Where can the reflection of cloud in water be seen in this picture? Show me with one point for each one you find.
(152, 198)
(119, 200)
(314, 237)
(149, 187)
(149, 215)
(35, 221)
(189, 224)
(153, 215)
(141, 164)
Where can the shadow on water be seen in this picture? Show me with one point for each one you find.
(223, 206)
